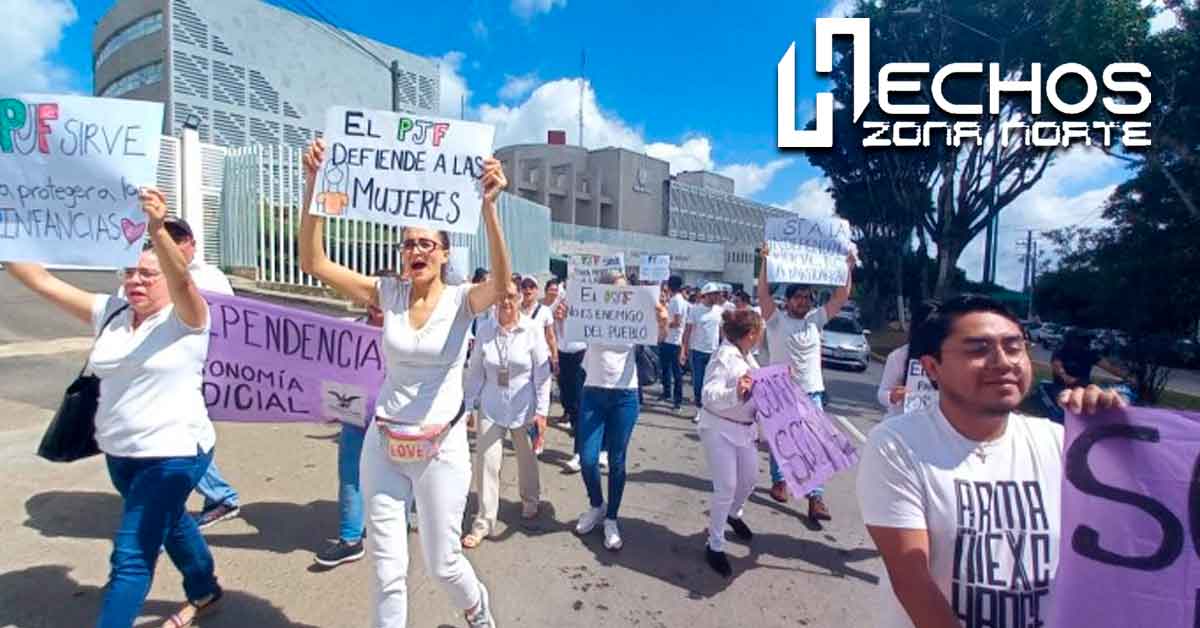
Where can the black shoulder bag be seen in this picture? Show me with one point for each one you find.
(71, 434)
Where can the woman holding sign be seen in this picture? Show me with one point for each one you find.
(729, 432)
(151, 424)
(608, 411)
(416, 448)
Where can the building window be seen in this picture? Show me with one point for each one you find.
(141, 77)
(143, 26)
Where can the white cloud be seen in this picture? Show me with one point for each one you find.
(526, 9)
(812, 198)
(454, 90)
(25, 47)
(695, 153)
(750, 179)
(479, 29)
(517, 87)
(1072, 192)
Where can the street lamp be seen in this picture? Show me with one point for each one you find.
(991, 241)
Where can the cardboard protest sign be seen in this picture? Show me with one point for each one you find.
(807, 251)
(269, 363)
(1130, 547)
(654, 268)
(402, 169)
(919, 391)
(806, 445)
(592, 268)
(70, 169)
(615, 315)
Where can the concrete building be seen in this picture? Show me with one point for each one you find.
(248, 72)
(615, 200)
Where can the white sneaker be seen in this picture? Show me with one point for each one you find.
(573, 464)
(588, 520)
(604, 460)
(483, 613)
(612, 535)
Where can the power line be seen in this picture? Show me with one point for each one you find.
(331, 28)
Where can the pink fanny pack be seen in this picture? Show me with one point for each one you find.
(407, 443)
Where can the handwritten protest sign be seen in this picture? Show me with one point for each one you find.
(1131, 521)
(807, 251)
(402, 169)
(619, 315)
(654, 268)
(919, 391)
(269, 363)
(70, 169)
(591, 268)
(808, 448)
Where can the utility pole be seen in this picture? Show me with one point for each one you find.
(395, 85)
(582, 85)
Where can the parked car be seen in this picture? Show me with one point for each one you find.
(850, 311)
(844, 342)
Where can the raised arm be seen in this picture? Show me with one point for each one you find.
(765, 302)
(842, 294)
(190, 307)
(74, 301)
(313, 258)
(489, 292)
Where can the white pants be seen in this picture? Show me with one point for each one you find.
(489, 457)
(440, 487)
(734, 469)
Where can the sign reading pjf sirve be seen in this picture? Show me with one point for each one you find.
(402, 169)
(70, 169)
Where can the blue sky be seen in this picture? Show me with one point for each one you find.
(693, 83)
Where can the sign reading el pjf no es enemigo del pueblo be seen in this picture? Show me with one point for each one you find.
(402, 169)
(70, 169)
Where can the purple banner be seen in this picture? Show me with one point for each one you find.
(268, 363)
(1131, 521)
(806, 445)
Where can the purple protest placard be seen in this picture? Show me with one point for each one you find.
(1131, 521)
(268, 363)
(806, 445)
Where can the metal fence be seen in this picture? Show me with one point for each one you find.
(260, 225)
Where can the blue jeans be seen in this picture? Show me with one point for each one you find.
(350, 506)
(672, 372)
(607, 417)
(818, 399)
(699, 364)
(154, 493)
(215, 489)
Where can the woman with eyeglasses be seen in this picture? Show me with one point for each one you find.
(151, 423)
(509, 374)
(608, 412)
(416, 446)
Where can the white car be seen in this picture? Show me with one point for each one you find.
(844, 342)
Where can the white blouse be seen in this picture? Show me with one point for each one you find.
(610, 366)
(424, 375)
(720, 399)
(527, 355)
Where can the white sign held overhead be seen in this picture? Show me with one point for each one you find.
(808, 251)
(615, 315)
(70, 169)
(402, 169)
(654, 268)
(592, 268)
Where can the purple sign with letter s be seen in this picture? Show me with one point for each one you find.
(806, 445)
(268, 363)
(1131, 521)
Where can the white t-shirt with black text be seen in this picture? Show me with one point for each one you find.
(991, 511)
(797, 343)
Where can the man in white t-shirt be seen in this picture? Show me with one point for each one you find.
(702, 335)
(541, 316)
(794, 338)
(669, 348)
(963, 499)
(221, 501)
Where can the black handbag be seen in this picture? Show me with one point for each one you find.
(647, 366)
(71, 434)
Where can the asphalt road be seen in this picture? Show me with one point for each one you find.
(56, 522)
